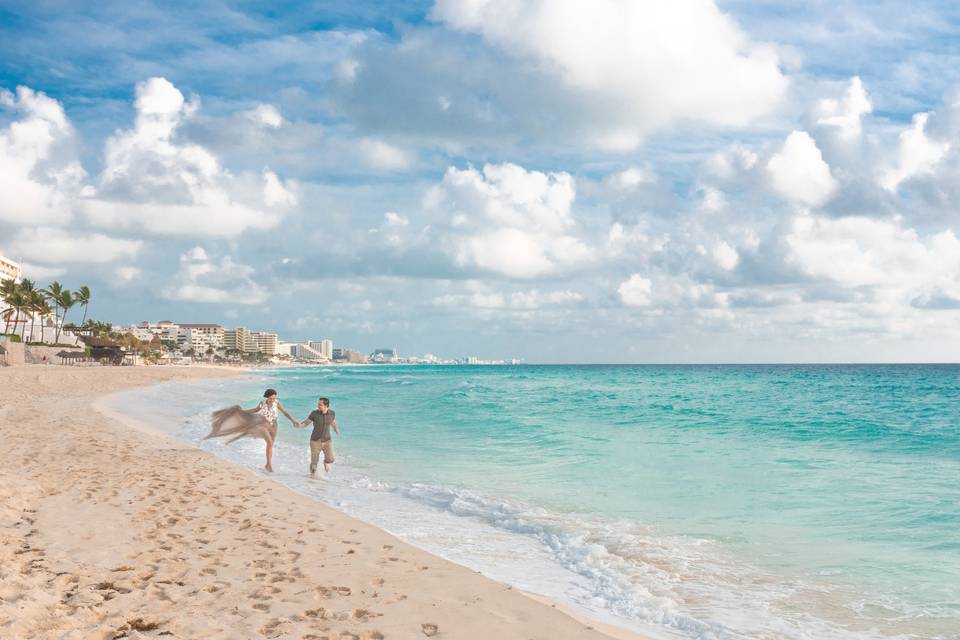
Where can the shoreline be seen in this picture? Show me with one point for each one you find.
(246, 555)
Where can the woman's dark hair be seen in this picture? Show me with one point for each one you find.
(269, 392)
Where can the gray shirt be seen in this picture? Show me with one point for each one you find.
(321, 424)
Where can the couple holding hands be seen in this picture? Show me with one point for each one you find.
(261, 422)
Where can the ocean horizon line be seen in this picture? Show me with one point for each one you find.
(652, 364)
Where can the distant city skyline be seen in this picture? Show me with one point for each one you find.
(204, 338)
(779, 184)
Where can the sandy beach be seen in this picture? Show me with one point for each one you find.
(109, 530)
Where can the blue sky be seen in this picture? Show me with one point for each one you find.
(563, 182)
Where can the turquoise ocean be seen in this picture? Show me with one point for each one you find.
(707, 502)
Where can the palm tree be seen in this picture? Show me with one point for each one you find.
(38, 308)
(43, 308)
(27, 288)
(54, 292)
(82, 296)
(7, 315)
(18, 303)
(66, 301)
(7, 288)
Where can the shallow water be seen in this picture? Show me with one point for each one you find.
(686, 501)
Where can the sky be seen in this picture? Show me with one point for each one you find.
(597, 181)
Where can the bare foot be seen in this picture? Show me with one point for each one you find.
(269, 468)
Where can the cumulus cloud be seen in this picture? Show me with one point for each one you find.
(394, 219)
(266, 115)
(275, 192)
(50, 245)
(656, 62)
(918, 154)
(630, 178)
(380, 155)
(156, 181)
(203, 278)
(883, 254)
(346, 69)
(38, 172)
(518, 300)
(799, 173)
(509, 221)
(127, 274)
(636, 291)
(726, 256)
(846, 113)
(730, 162)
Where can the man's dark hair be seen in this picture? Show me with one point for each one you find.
(325, 401)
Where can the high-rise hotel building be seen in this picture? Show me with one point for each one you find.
(240, 339)
(10, 269)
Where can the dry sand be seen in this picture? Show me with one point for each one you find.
(112, 531)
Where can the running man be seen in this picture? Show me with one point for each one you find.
(323, 419)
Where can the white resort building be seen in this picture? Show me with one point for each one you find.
(200, 337)
(10, 269)
(266, 342)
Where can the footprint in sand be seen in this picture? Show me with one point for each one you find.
(275, 628)
(264, 593)
(429, 629)
(364, 615)
(332, 592)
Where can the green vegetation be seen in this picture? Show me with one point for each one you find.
(25, 301)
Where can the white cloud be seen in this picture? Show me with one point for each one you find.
(41, 272)
(898, 264)
(275, 193)
(656, 62)
(726, 256)
(347, 69)
(727, 163)
(51, 245)
(635, 240)
(713, 200)
(509, 221)
(476, 300)
(127, 274)
(266, 115)
(846, 113)
(154, 180)
(380, 155)
(38, 173)
(630, 178)
(636, 291)
(517, 300)
(535, 299)
(203, 278)
(918, 154)
(394, 219)
(799, 173)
